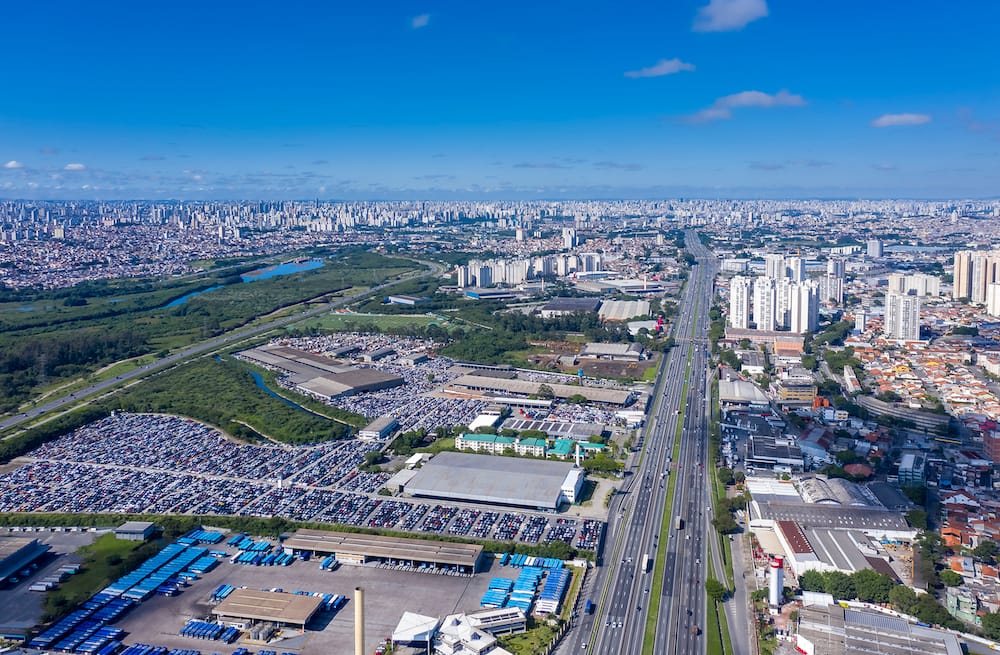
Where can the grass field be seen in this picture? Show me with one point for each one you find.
(340, 322)
(531, 642)
(103, 561)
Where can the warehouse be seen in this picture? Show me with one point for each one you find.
(835, 630)
(379, 429)
(500, 387)
(17, 553)
(505, 481)
(244, 607)
(562, 306)
(623, 310)
(615, 352)
(358, 380)
(353, 548)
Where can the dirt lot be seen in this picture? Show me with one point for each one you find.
(592, 368)
(387, 595)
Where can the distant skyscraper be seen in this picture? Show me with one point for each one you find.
(739, 302)
(861, 320)
(795, 269)
(875, 248)
(764, 303)
(569, 238)
(902, 317)
(962, 275)
(774, 266)
(836, 267)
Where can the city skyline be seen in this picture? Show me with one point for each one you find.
(706, 98)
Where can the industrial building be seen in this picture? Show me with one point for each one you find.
(623, 310)
(244, 607)
(485, 385)
(735, 394)
(615, 352)
(555, 429)
(836, 630)
(358, 380)
(505, 481)
(17, 553)
(380, 429)
(135, 531)
(353, 548)
(765, 451)
(877, 523)
(562, 306)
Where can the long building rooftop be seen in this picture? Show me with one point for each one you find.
(399, 548)
(491, 479)
(274, 606)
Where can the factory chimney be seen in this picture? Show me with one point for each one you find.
(359, 621)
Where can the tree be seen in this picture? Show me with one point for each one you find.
(739, 477)
(725, 524)
(872, 587)
(839, 585)
(725, 475)
(991, 625)
(917, 495)
(545, 392)
(986, 550)
(903, 598)
(715, 590)
(951, 578)
(372, 458)
(918, 519)
(812, 581)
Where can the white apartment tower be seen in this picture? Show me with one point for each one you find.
(764, 303)
(774, 266)
(902, 317)
(569, 238)
(804, 307)
(739, 302)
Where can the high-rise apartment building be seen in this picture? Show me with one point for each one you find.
(804, 307)
(569, 238)
(993, 299)
(875, 248)
(774, 266)
(962, 275)
(795, 269)
(836, 267)
(739, 302)
(902, 317)
(764, 309)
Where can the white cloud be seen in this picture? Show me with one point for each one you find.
(13, 163)
(895, 120)
(661, 68)
(420, 21)
(74, 167)
(729, 15)
(722, 109)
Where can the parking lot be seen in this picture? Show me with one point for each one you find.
(388, 593)
(141, 463)
(20, 608)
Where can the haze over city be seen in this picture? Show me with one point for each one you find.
(500, 329)
(519, 100)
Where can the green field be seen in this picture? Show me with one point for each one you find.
(49, 338)
(344, 322)
(229, 399)
(103, 561)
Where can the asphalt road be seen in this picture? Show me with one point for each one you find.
(203, 347)
(624, 582)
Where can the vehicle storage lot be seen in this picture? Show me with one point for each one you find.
(388, 594)
(20, 608)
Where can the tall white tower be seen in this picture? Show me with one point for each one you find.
(776, 586)
(739, 302)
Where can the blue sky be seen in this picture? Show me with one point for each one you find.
(574, 98)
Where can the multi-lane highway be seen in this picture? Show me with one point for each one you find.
(234, 336)
(640, 546)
